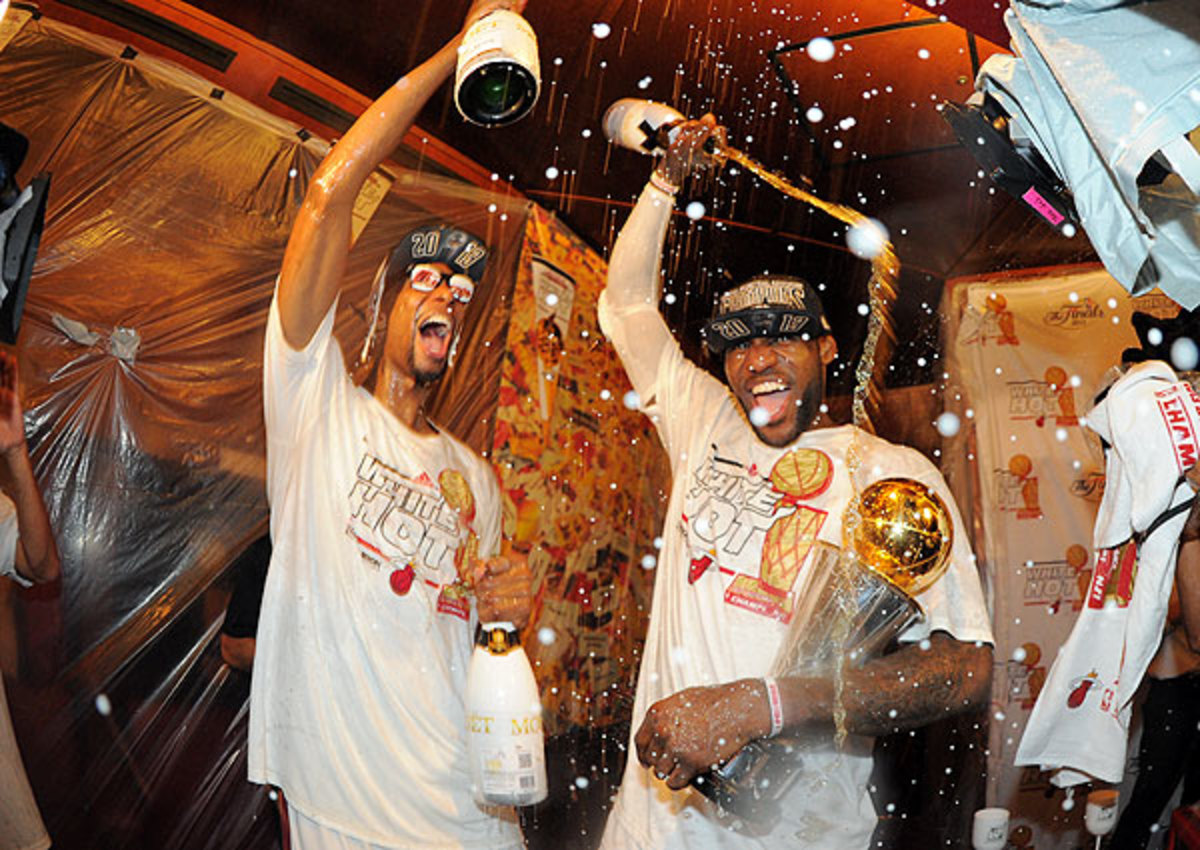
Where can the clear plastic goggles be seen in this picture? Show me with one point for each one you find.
(426, 278)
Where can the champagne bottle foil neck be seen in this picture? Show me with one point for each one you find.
(498, 638)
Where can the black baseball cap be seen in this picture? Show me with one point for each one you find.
(462, 251)
(768, 306)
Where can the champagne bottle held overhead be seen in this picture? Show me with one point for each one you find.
(498, 77)
(640, 125)
(505, 742)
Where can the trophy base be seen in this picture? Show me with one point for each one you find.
(845, 615)
(750, 785)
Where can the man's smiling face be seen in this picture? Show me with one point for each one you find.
(421, 328)
(784, 377)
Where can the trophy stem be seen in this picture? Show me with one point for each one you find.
(868, 613)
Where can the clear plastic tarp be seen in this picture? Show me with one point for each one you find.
(140, 357)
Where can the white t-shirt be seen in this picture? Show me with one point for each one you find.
(20, 822)
(712, 619)
(356, 703)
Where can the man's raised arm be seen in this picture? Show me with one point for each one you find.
(36, 557)
(628, 312)
(320, 240)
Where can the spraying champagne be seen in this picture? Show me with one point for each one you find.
(498, 77)
(650, 128)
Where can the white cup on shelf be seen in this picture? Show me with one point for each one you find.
(989, 830)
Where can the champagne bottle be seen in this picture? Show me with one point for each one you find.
(498, 77)
(640, 125)
(504, 721)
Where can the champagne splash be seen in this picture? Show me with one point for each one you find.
(843, 616)
(868, 389)
(885, 271)
(845, 596)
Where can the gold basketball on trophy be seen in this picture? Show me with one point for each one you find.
(901, 530)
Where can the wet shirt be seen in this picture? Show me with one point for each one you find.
(742, 519)
(357, 696)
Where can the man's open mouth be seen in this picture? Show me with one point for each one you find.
(435, 337)
(772, 395)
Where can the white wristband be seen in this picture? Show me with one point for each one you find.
(662, 184)
(775, 702)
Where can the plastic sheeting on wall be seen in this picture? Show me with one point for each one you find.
(140, 360)
(1099, 111)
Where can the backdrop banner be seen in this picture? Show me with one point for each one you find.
(1031, 351)
(584, 478)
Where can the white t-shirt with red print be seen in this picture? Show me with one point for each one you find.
(363, 641)
(726, 585)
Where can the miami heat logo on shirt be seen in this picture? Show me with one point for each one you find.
(408, 525)
(756, 527)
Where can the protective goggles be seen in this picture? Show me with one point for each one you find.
(426, 278)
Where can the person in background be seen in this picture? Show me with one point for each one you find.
(28, 554)
(386, 529)
(240, 629)
(1169, 750)
(241, 614)
(1187, 568)
(1170, 746)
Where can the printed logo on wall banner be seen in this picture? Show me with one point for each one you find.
(732, 521)
(1026, 676)
(1017, 488)
(1157, 305)
(1114, 577)
(1090, 487)
(1074, 314)
(1058, 584)
(998, 324)
(1179, 406)
(1053, 398)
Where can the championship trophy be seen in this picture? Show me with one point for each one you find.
(852, 602)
